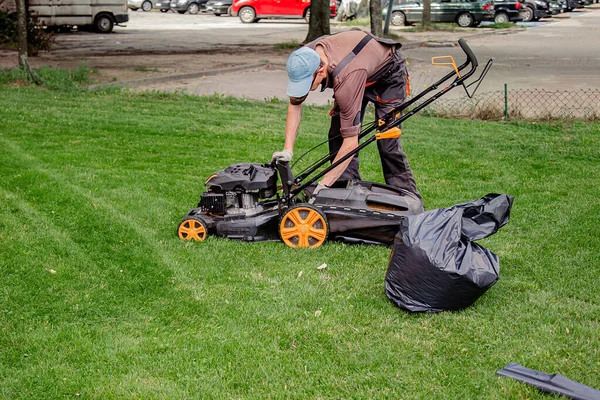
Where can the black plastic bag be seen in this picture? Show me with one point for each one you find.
(435, 266)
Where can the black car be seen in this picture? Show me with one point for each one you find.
(189, 6)
(507, 11)
(465, 13)
(536, 9)
(219, 7)
(573, 4)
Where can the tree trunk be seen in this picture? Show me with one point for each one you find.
(22, 43)
(426, 21)
(376, 19)
(319, 20)
(22, 33)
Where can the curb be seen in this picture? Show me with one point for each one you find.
(447, 43)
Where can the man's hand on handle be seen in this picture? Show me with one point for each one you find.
(284, 156)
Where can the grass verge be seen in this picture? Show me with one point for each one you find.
(286, 46)
(501, 25)
(435, 27)
(355, 22)
(53, 78)
(101, 300)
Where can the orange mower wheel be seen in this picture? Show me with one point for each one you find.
(192, 229)
(303, 226)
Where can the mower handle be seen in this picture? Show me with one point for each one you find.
(470, 55)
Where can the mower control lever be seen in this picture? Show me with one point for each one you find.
(286, 176)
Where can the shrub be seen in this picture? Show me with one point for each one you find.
(37, 38)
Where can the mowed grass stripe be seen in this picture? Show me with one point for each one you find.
(240, 319)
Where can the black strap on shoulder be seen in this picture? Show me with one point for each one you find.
(346, 60)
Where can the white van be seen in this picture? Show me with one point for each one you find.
(103, 15)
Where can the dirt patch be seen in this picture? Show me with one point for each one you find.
(131, 66)
(156, 60)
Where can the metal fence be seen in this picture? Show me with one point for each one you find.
(525, 104)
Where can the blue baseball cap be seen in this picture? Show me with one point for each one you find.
(301, 66)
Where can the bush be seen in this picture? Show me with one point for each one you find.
(37, 38)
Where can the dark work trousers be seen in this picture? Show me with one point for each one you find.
(388, 92)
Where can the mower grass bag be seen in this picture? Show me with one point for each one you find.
(435, 265)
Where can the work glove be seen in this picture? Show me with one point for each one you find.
(284, 156)
(317, 189)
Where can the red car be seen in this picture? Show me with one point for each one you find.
(253, 10)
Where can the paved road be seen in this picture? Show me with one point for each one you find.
(154, 31)
(560, 53)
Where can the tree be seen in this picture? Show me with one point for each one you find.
(22, 33)
(375, 10)
(319, 20)
(23, 21)
(426, 21)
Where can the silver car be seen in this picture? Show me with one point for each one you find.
(147, 5)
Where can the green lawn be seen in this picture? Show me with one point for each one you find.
(100, 299)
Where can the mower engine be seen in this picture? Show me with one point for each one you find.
(238, 189)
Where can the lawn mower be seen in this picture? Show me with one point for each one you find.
(245, 202)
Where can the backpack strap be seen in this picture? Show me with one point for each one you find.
(351, 56)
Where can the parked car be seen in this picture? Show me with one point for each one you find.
(219, 7)
(507, 11)
(147, 5)
(573, 4)
(163, 5)
(254, 10)
(536, 9)
(464, 13)
(555, 7)
(189, 6)
(103, 16)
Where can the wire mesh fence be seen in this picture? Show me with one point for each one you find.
(524, 104)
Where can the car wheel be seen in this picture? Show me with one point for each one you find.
(501, 18)
(528, 14)
(146, 6)
(104, 23)
(193, 8)
(229, 12)
(465, 20)
(398, 18)
(307, 16)
(247, 15)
